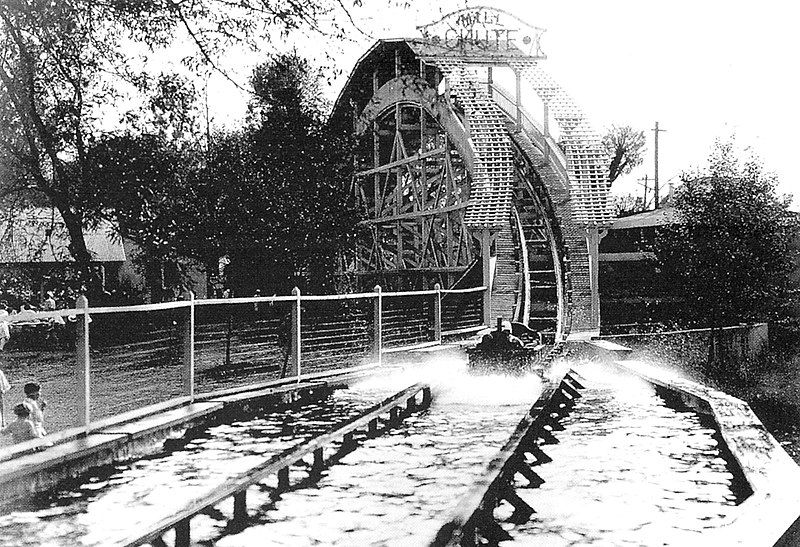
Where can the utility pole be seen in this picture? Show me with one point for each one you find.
(655, 187)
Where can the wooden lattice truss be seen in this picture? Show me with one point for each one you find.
(415, 197)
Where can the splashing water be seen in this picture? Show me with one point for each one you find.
(398, 488)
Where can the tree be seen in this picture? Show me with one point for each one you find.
(62, 63)
(628, 205)
(624, 148)
(271, 197)
(731, 251)
(293, 212)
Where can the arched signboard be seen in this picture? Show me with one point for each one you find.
(483, 29)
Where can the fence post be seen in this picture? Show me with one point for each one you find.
(486, 246)
(437, 313)
(83, 393)
(377, 344)
(294, 336)
(188, 348)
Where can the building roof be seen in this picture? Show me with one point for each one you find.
(39, 235)
(658, 217)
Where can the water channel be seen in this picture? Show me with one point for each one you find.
(628, 471)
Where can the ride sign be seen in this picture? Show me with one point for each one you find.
(484, 30)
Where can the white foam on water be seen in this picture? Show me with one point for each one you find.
(452, 383)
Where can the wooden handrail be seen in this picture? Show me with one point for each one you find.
(280, 463)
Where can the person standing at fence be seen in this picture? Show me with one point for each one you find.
(49, 303)
(55, 325)
(36, 406)
(5, 332)
(21, 429)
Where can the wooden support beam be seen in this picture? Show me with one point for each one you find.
(571, 391)
(416, 214)
(522, 511)
(491, 531)
(554, 424)
(240, 506)
(319, 460)
(546, 436)
(400, 162)
(533, 478)
(573, 379)
(386, 272)
(283, 478)
(538, 453)
(183, 534)
(426, 396)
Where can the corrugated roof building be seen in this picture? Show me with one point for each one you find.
(39, 235)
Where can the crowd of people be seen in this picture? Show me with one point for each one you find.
(55, 325)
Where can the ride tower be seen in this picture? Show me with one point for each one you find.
(462, 185)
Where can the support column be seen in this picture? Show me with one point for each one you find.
(593, 248)
(546, 129)
(518, 98)
(486, 247)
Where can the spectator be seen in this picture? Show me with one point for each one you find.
(21, 429)
(49, 303)
(5, 332)
(56, 324)
(35, 406)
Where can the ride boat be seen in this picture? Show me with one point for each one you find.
(510, 348)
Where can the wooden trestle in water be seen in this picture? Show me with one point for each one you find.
(473, 521)
(371, 423)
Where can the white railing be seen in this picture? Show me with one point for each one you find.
(183, 341)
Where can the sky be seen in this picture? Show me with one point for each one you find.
(703, 69)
